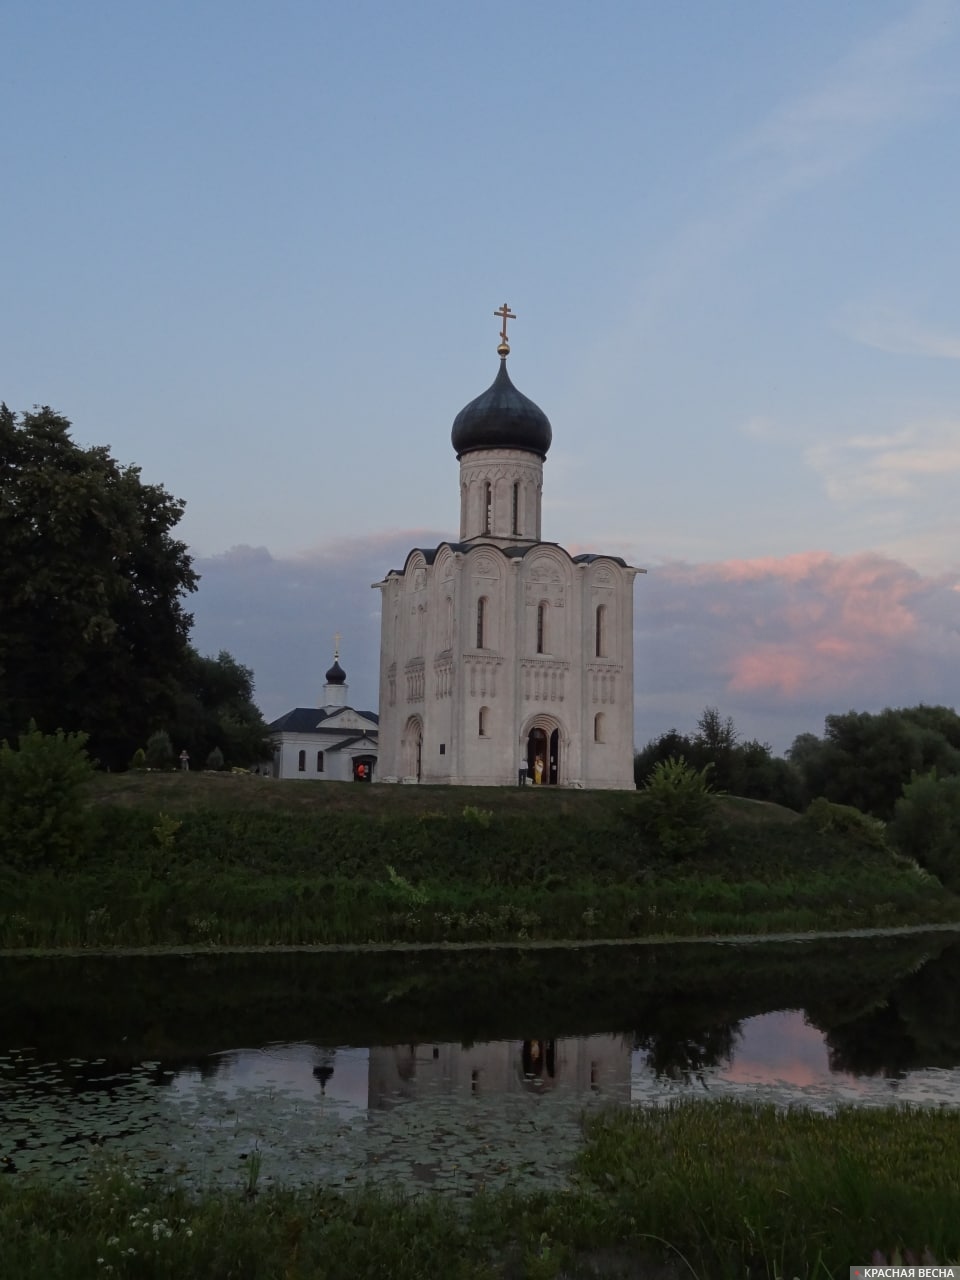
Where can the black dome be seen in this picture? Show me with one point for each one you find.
(501, 418)
(336, 674)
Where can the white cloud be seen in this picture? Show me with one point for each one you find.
(888, 329)
(882, 83)
(901, 465)
(760, 427)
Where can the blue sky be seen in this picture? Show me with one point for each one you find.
(256, 249)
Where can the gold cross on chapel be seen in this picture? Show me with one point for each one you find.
(506, 314)
(336, 645)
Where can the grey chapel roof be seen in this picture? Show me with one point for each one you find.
(309, 720)
(501, 418)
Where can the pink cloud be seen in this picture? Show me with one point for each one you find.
(771, 667)
(806, 630)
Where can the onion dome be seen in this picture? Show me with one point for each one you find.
(336, 674)
(501, 418)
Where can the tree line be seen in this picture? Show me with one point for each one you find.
(899, 766)
(94, 632)
(864, 759)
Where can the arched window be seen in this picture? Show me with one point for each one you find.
(598, 727)
(484, 722)
(319, 762)
(541, 627)
(302, 762)
(487, 506)
(481, 621)
(516, 508)
(601, 630)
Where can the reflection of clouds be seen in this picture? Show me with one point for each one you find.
(781, 1047)
(781, 1059)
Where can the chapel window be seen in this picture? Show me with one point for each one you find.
(319, 762)
(302, 762)
(487, 506)
(481, 621)
(541, 627)
(601, 631)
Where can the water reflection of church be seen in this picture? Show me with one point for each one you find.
(567, 1065)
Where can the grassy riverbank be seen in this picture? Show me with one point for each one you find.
(691, 1190)
(208, 859)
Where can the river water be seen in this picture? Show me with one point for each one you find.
(448, 1071)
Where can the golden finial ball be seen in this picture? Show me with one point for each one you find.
(503, 349)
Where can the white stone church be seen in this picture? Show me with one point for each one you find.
(501, 652)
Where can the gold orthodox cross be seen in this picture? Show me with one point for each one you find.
(506, 314)
(336, 645)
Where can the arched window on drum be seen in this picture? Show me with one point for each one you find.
(601, 631)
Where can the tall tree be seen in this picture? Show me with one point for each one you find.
(740, 768)
(865, 759)
(215, 711)
(93, 633)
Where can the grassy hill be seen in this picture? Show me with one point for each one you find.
(207, 859)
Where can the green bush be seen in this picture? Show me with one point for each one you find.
(139, 760)
(926, 825)
(159, 750)
(676, 807)
(846, 821)
(43, 818)
(482, 817)
(215, 759)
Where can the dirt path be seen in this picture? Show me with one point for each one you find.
(731, 939)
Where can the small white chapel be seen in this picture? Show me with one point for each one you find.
(329, 743)
(500, 652)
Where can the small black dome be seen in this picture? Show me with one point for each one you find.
(336, 674)
(501, 418)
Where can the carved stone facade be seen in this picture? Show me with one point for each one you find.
(500, 650)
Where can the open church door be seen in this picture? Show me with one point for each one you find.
(363, 768)
(543, 757)
(537, 756)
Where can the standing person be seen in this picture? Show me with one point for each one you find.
(538, 770)
(184, 760)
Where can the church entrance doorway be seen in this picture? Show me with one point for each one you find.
(411, 748)
(543, 754)
(363, 768)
